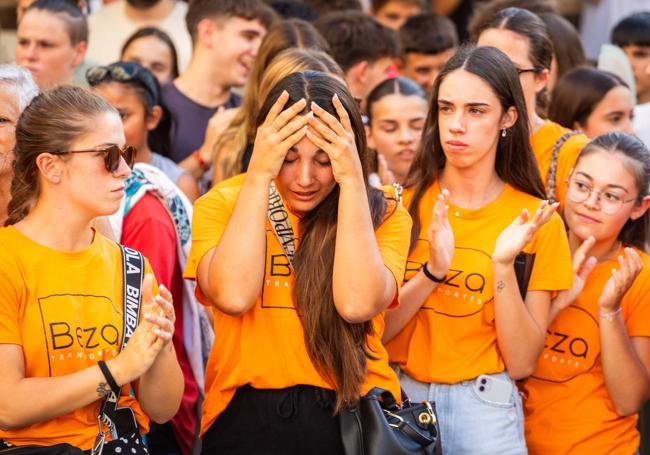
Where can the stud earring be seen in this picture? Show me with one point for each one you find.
(504, 132)
(56, 179)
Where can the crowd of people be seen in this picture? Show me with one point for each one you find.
(225, 222)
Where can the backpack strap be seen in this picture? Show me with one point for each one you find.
(552, 169)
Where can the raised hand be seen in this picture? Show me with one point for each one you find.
(520, 232)
(630, 265)
(582, 267)
(280, 131)
(441, 238)
(217, 125)
(336, 138)
(385, 175)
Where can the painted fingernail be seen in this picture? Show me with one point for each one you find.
(147, 316)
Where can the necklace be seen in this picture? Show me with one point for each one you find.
(491, 193)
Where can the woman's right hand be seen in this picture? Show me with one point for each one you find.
(441, 238)
(280, 131)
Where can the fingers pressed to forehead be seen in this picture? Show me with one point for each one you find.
(324, 130)
(328, 118)
(289, 113)
(343, 113)
(277, 106)
(294, 125)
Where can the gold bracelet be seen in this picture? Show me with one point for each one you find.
(609, 316)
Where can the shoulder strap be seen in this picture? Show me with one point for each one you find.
(132, 274)
(552, 169)
(279, 218)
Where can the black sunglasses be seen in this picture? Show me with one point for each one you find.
(112, 155)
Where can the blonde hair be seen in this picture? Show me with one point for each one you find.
(230, 148)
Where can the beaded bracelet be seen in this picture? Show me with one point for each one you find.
(609, 316)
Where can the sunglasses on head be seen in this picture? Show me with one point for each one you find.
(112, 155)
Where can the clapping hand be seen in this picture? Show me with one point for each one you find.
(582, 267)
(520, 232)
(441, 238)
(630, 265)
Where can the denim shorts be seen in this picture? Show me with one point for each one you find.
(470, 424)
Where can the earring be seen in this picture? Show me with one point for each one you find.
(56, 179)
(504, 132)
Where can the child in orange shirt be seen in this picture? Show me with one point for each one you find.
(62, 291)
(592, 377)
(468, 324)
(522, 36)
(298, 258)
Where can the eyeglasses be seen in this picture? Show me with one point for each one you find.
(112, 155)
(521, 71)
(610, 203)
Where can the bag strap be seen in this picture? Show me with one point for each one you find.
(132, 274)
(279, 218)
(552, 169)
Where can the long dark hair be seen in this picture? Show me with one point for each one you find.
(634, 232)
(515, 163)
(337, 348)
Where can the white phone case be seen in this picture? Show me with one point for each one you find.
(493, 389)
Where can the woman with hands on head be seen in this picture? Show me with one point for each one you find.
(298, 259)
(61, 287)
(596, 360)
(469, 323)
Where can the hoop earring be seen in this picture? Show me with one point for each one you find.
(504, 132)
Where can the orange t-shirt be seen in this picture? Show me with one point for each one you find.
(543, 142)
(568, 409)
(452, 337)
(265, 347)
(65, 310)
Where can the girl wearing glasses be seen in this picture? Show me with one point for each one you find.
(486, 256)
(522, 36)
(593, 374)
(297, 328)
(62, 292)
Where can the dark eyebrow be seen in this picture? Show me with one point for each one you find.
(611, 185)
(445, 102)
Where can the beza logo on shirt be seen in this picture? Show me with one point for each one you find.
(571, 347)
(468, 283)
(79, 329)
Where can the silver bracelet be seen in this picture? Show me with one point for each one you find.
(609, 316)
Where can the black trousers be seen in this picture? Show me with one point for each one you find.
(296, 420)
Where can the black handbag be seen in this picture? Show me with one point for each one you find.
(380, 426)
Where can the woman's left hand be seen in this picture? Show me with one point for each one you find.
(520, 232)
(336, 138)
(621, 280)
(161, 312)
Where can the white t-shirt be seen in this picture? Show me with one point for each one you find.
(109, 28)
(642, 122)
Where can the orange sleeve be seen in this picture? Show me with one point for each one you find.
(10, 281)
(552, 269)
(211, 214)
(393, 238)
